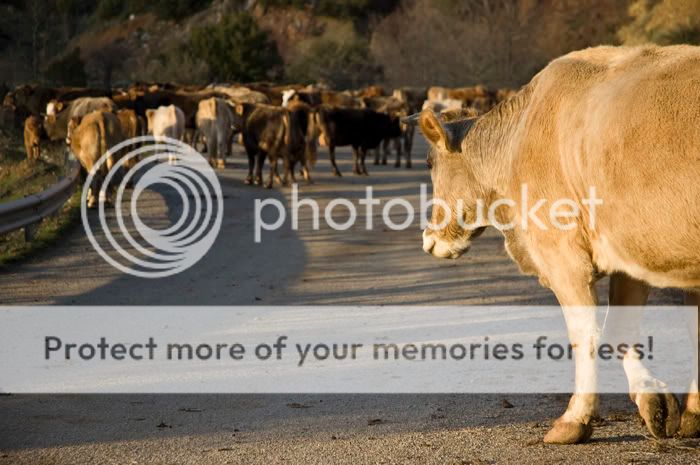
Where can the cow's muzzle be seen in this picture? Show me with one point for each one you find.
(441, 248)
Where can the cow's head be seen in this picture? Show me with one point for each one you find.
(54, 125)
(456, 187)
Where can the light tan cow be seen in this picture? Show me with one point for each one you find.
(166, 122)
(89, 138)
(215, 122)
(59, 113)
(623, 121)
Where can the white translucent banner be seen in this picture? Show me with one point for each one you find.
(495, 349)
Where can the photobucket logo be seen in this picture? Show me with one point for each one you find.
(562, 214)
(153, 253)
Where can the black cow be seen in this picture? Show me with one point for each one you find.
(363, 129)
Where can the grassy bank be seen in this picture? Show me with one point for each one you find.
(13, 247)
(20, 177)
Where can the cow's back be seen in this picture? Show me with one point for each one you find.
(623, 120)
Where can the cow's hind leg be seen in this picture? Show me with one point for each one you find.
(690, 420)
(251, 167)
(578, 299)
(356, 161)
(362, 156)
(331, 154)
(658, 407)
(259, 162)
(273, 173)
(397, 147)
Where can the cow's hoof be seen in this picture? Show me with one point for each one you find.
(660, 412)
(337, 173)
(248, 180)
(408, 165)
(258, 181)
(397, 165)
(220, 164)
(567, 432)
(690, 425)
(376, 162)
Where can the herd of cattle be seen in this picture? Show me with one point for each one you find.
(277, 123)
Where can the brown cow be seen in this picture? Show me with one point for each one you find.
(265, 134)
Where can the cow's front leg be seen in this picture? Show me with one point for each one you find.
(331, 154)
(658, 407)
(385, 151)
(408, 145)
(690, 420)
(578, 302)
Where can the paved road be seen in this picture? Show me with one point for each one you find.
(303, 267)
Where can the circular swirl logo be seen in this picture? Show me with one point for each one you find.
(192, 192)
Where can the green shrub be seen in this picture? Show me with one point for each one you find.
(177, 9)
(67, 71)
(236, 49)
(340, 65)
(344, 9)
(108, 9)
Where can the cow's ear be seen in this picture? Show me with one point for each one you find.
(445, 135)
(431, 127)
(59, 106)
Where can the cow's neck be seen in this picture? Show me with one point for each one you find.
(490, 142)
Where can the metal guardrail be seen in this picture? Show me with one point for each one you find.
(29, 211)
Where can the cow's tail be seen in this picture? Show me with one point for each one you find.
(310, 138)
(287, 125)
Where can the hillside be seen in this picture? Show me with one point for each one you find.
(344, 43)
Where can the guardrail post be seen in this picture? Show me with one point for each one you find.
(30, 231)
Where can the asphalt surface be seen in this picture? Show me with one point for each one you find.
(304, 267)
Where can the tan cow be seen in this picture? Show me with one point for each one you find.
(33, 129)
(215, 123)
(132, 126)
(89, 138)
(623, 121)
